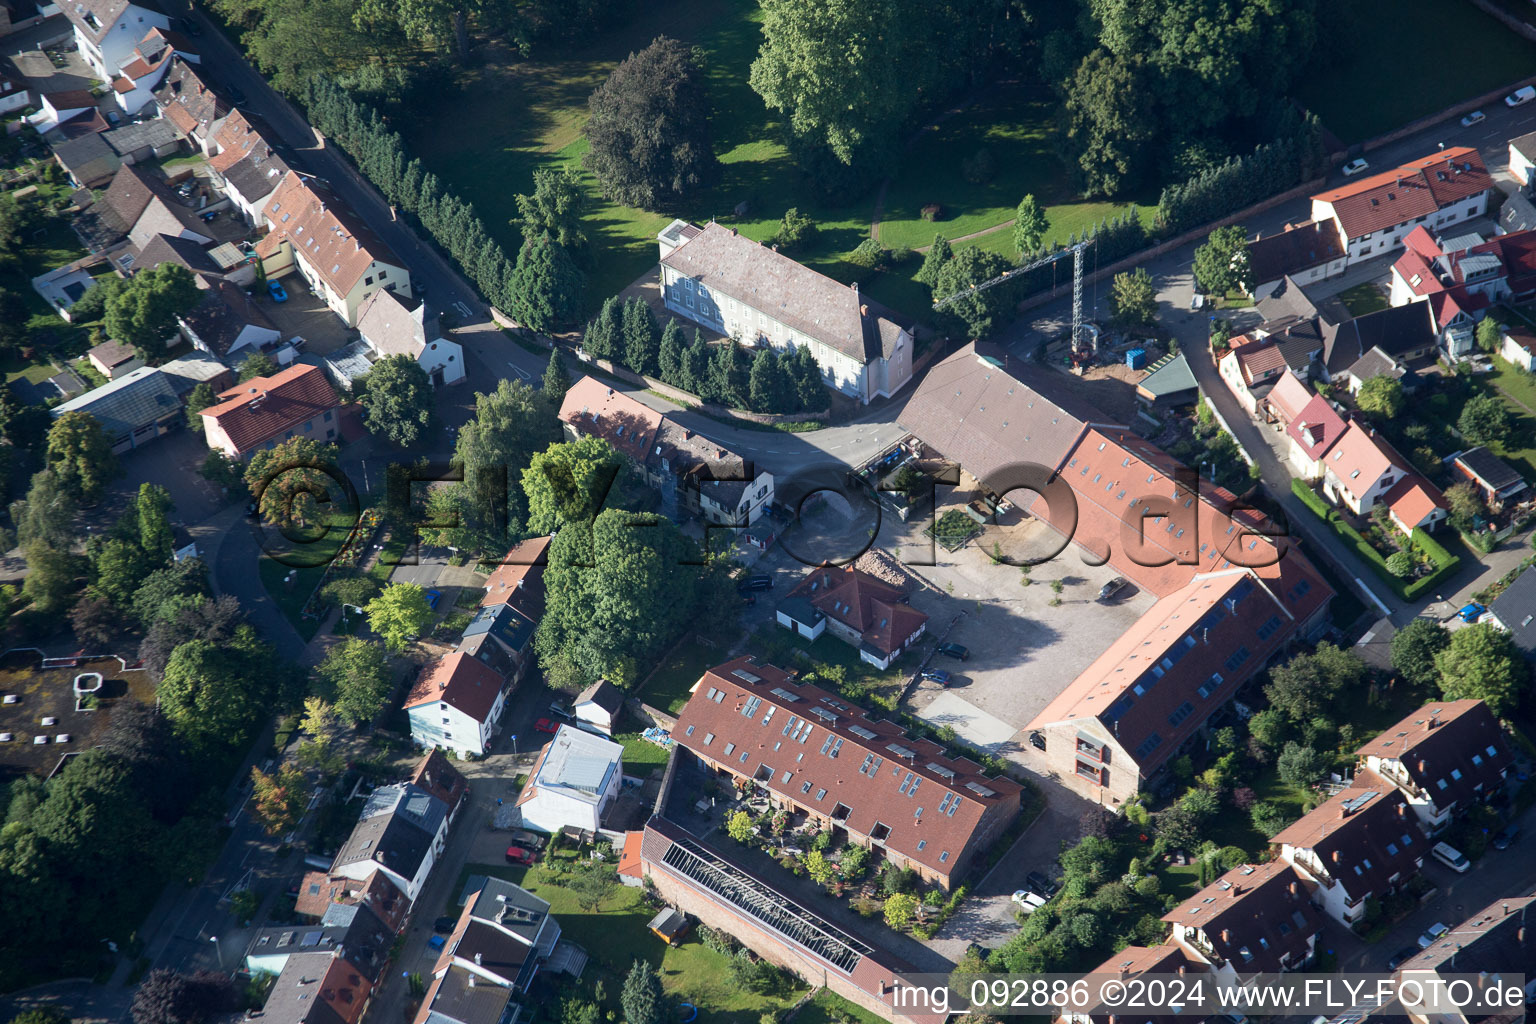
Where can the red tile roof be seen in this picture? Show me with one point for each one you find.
(461, 681)
(1413, 500)
(328, 235)
(868, 766)
(1317, 427)
(519, 579)
(1416, 189)
(1289, 397)
(260, 409)
(1358, 461)
(630, 865)
(1260, 361)
(345, 990)
(866, 604)
(319, 890)
(434, 774)
(1263, 911)
(597, 410)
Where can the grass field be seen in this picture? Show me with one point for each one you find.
(52, 245)
(1362, 299)
(1407, 59)
(668, 686)
(1518, 390)
(614, 934)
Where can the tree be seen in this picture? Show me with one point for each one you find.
(47, 514)
(557, 381)
(938, 254)
(769, 388)
(1466, 504)
(642, 997)
(819, 868)
(199, 398)
(554, 209)
(601, 340)
(50, 581)
(117, 566)
(1490, 336)
(213, 693)
(397, 400)
(669, 355)
(143, 312)
(739, 827)
(399, 615)
(1110, 123)
(900, 908)
(694, 372)
(546, 287)
(42, 1015)
(1305, 686)
(729, 375)
(648, 130)
(93, 304)
(1221, 264)
(978, 312)
(165, 592)
(154, 513)
(350, 590)
(218, 621)
(1400, 564)
(1483, 419)
(278, 798)
(640, 336)
(1133, 302)
(96, 621)
(569, 482)
(796, 231)
(1414, 648)
(357, 672)
(1029, 226)
(257, 364)
(166, 996)
(289, 480)
(1382, 396)
(1301, 766)
(80, 455)
(1482, 662)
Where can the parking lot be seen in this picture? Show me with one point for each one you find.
(305, 315)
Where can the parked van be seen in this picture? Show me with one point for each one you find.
(1451, 857)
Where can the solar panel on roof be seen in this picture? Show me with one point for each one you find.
(979, 789)
(824, 714)
(745, 676)
(862, 733)
(783, 694)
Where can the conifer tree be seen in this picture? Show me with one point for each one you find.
(938, 254)
(602, 334)
(556, 380)
(669, 357)
(694, 374)
(640, 336)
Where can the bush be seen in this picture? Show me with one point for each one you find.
(979, 168)
(932, 212)
(867, 254)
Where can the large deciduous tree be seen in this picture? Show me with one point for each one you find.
(979, 312)
(397, 400)
(649, 137)
(215, 693)
(143, 312)
(166, 996)
(1029, 226)
(80, 455)
(399, 615)
(568, 483)
(1482, 663)
(1305, 686)
(1382, 396)
(288, 480)
(1221, 264)
(1133, 299)
(1110, 123)
(1414, 648)
(357, 672)
(1483, 419)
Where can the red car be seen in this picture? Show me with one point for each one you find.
(518, 855)
(545, 725)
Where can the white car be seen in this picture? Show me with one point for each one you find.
(1431, 934)
(1354, 167)
(1476, 117)
(1520, 97)
(1029, 901)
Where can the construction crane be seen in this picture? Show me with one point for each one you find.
(1082, 344)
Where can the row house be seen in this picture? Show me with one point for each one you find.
(108, 32)
(134, 85)
(1461, 276)
(750, 291)
(1166, 958)
(863, 611)
(401, 832)
(1255, 919)
(1301, 254)
(859, 776)
(456, 704)
(693, 473)
(246, 166)
(1373, 215)
(1361, 470)
(1363, 843)
(1444, 758)
(191, 105)
(1497, 944)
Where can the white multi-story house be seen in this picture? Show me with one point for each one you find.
(1363, 843)
(108, 31)
(311, 231)
(456, 705)
(731, 284)
(401, 832)
(573, 783)
(1373, 215)
(1255, 919)
(1444, 758)
(389, 326)
(246, 164)
(1462, 275)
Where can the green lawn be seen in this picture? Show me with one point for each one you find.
(668, 687)
(1362, 299)
(615, 935)
(825, 1003)
(307, 563)
(53, 246)
(1518, 390)
(1405, 59)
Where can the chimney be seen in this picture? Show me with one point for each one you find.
(1402, 810)
(1236, 891)
(1343, 811)
(733, 232)
(855, 287)
(1336, 857)
(478, 960)
(1293, 890)
(1430, 723)
(774, 247)
(1506, 908)
(471, 979)
(1226, 935)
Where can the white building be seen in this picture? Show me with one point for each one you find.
(108, 31)
(600, 705)
(574, 782)
(456, 704)
(401, 833)
(390, 326)
(1522, 157)
(246, 166)
(747, 290)
(1373, 215)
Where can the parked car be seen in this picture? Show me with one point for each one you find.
(1431, 934)
(557, 708)
(528, 840)
(937, 675)
(1505, 837)
(545, 725)
(520, 855)
(1471, 612)
(1354, 167)
(1402, 956)
(1451, 857)
(444, 925)
(1040, 883)
(433, 596)
(761, 581)
(275, 289)
(186, 188)
(1112, 588)
(436, 942)
(953, 651)
(1520, 97)
(1037, 740)
(1476, 117)
(1028, 900)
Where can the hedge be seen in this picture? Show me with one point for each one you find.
(1445, 562)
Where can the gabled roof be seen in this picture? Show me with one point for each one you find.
(223, 314)
(1317, 427)
(808, 303)
(1525, 145)
(1396, 330)
(433, 774)
(457, 997)
(519, 579)
(112, 354)
(1515, 609)
(1258, 361)
(866, 604)
(1365, 837)
(251, 167)
(597, 410)
(319, 890)
(604, 695)
(258, 410)
(188, 102)
(1295, 250)
(459, 681)
(1163, 959)
(96, 17)
(1497, 941)
(504, 622)
(1451, 750)
(185, 252)
(324, 231)
(1290, 396)
(134, 400)
(1254, 916)
(1415, 189)
(1413, 500)
(509, 907)
(742, 712)
(1357, 460)
(292, 999)
(1488, 469)
(391, 327)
